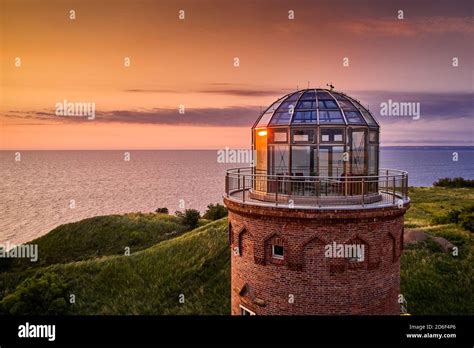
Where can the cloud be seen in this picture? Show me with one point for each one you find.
(150, 90)
(233, 116)
(225, 117)
(219, 89)
(455, 107)
(244, 92)
(433, 106)
(413, 27)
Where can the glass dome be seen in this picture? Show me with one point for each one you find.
(316, 132)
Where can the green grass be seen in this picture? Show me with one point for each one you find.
(434, 282)
(430, 202)
(86, 259)
(151, 281)
(99, 236)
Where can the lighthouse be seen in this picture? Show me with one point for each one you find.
(315, 225)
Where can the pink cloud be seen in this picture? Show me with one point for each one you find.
(410, 27)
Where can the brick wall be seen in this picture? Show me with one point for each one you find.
(305, 281)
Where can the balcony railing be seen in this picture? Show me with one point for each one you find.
(246, 185)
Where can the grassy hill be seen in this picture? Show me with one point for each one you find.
(100, 236)
(434, 282)
(194, 267)
(174, 271)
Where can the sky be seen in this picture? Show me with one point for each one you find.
(189, 65)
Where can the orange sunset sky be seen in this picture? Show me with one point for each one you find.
(190, 62)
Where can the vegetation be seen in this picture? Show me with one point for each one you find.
(172, 271)
(454, 182)
(464, 217)
(100, 236)
(215, 212)
(43, 294)
(162, 210)
(430, 203)
(189, 274)
(434, 282)
(190, 218)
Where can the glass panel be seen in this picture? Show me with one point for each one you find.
(263, 122)
(279, 159)
(370, 120)
(327, 104)
(373, 137)
(260, 183)
(306, 104)
(373, 160)
(332, 135)
(338, 96)
(354, 117)
(294, 96)
(301, 160)
(287, 106)
(346, 105)
(281, 118)
(305, 117)
(280, 136)
(274, 106)
(358, 152)
(330, 117)
(331, 163)
(368, 117)
(303, 135)
(309, 95)
(324, 95)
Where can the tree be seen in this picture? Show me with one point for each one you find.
(215, 212)
(190, 217)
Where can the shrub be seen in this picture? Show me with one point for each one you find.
(190, 217)
(454, 182)
(215, 212)
(41, 294)
(162, 210)
(466, 219)
(463, 217)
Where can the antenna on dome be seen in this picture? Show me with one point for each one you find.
(308, 84)
(330, 85)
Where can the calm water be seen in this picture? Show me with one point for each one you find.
(35, 193)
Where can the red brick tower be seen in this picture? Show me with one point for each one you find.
(315, 226)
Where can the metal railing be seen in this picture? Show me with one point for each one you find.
(388, 187)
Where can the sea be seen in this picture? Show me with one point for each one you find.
(40, 190)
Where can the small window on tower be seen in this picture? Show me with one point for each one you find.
(277, 251)
(245, 311)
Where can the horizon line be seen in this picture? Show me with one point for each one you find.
(216, 149)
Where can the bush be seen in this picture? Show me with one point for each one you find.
(466, 219)
(189, 218)
(454, 182)
(42, 294)
(463, 217)
(215, 212)
(162, 210)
